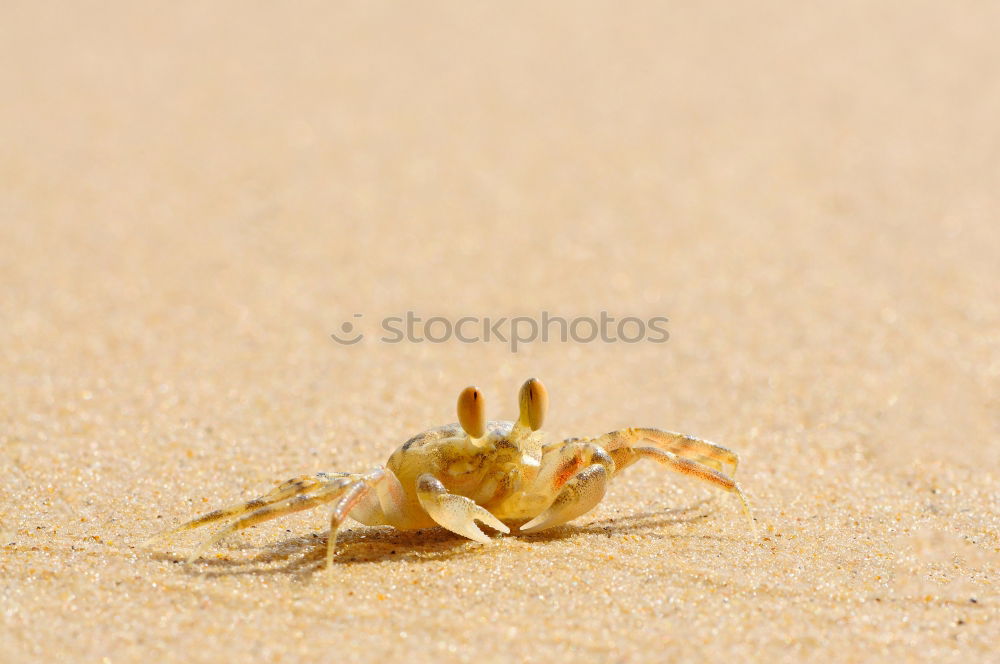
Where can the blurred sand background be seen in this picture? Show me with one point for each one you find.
(193, 196)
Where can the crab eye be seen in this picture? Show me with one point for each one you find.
(534, 401)
(472, 412)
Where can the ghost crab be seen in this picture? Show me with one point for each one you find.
(494, 472)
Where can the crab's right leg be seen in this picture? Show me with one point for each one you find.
(347, 489)
(375, 498)
(456, 513)
(384, 506)
(328, 492)
(287, 489)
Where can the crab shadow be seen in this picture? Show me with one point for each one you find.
(304, 555)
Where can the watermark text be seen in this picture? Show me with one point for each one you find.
(514, 331)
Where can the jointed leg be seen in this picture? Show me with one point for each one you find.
(287, 489)
(687, 467)
(378, 495)
(679, 444)
(384, 505)
(328, 492)
(456, 513)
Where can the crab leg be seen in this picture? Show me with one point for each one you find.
(347, 502)
(385, 505)
(688, 467)
(679, 444)
(456, 513)
(328, 492)
(287, 489)
(377, 497)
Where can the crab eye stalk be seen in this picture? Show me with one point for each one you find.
(472, 412)
(534, 401)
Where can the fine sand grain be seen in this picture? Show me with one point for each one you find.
(193, 196)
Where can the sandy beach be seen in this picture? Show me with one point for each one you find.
(194, 197)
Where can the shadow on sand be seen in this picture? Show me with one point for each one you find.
(304, 555)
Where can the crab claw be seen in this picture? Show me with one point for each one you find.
(472, 412)
(577, 497)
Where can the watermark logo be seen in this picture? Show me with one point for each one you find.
(514, 331)
(348, 333)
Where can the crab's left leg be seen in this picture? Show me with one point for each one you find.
(679, 464)
(702, 451)
(679, 452)
(578, 474)
(456, 513)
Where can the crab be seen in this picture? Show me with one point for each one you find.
(499, 473)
